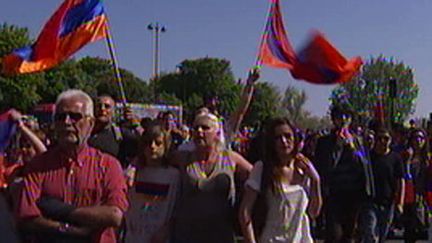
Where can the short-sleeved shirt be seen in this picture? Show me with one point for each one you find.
(287, 219)
(387, 170)
(94, 178)
(152, 201)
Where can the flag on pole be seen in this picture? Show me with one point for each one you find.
(7, 130)
(74, 24)
(275, 49)
(321, 63)
(318, 63)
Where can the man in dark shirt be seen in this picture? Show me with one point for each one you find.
(110, 138)
(387, 168)
(346, 176)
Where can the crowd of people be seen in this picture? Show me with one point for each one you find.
(85, 178)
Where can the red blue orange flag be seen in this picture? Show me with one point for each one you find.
(276, 50)
(319, 62)
(74, 24)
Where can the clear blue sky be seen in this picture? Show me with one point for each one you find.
(231, 29)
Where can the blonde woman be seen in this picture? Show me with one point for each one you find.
(205, 209)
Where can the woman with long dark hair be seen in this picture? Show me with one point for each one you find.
(416, 158)
(282, 191)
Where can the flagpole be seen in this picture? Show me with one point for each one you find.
(111, 50)
(258, 61)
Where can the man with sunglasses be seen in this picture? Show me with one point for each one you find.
(387, 168)
(345, 174)
(107, 136)
(73, 192)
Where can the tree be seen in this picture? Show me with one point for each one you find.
(101, 76)
(13, 37)
(200, 79)
(265, 104)
(18, 91)
(293, 103)
(373, 85)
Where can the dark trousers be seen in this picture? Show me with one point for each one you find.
(341, 219)
(375, 221)
(414, 221)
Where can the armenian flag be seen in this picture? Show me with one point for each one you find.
(321, 63)
(318, 63)
(74, 24)
(275, 49)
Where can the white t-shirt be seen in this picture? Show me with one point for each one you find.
(152, 200)
(287, 219)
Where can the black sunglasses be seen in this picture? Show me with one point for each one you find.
(73, 116)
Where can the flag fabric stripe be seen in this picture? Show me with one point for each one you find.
(74, 24)
(84, 34)
(275, 50)
(80, 15)
(321, 63)
(152, 189)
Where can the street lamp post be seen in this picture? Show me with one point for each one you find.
(156, 28)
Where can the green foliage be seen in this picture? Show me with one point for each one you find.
(293, 103)
(19, 91)
(101, 76)
(265, 103)
(293, 107)
(12, 37)
(168, 99)
(201, 79)
(373, 84)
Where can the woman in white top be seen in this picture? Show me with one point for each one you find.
(154, 189)
(282, 191)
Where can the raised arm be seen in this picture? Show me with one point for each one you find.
(236, 118)
(37, 144)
